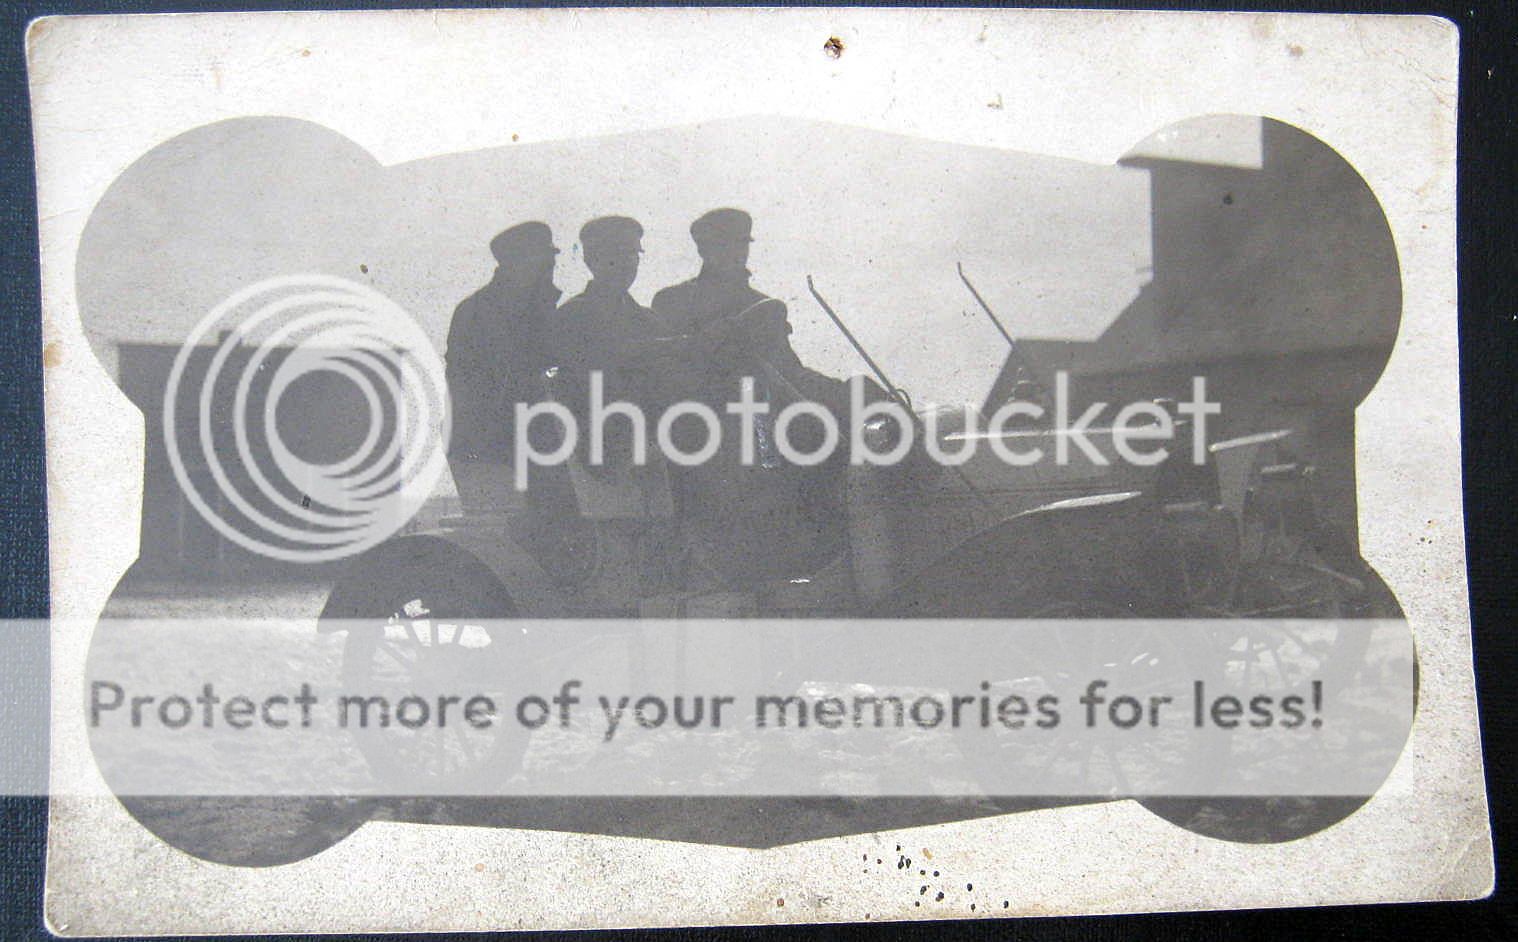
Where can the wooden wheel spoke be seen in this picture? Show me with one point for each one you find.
(410, 627)
(466, 746)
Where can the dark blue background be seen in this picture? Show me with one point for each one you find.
(1488, 339)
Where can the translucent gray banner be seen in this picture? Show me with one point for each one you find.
(760, 707)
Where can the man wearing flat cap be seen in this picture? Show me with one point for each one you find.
(604, 328)
(736, 330)
(721, 290)
(747, 520)
(499, 344)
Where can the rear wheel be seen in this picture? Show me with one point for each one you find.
(439, 638)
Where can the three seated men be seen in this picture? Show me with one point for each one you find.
(700, 341)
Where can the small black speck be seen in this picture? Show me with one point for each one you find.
(935, 873)
(1227, 199)
(1005, 903)
(969, 886)
(922, 873)
(877, 860)
(917, 904)
(898, 848)
(938, 897)
(972, 907)
(922, 892)
(364, 269)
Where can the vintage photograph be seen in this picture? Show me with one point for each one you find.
(832, 499)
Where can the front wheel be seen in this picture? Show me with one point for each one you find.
(1304, 590)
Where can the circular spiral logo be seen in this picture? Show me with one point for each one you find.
(305, 418)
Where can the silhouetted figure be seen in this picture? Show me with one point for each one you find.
(736, 330)
(770, 518)
(605, 329)
(499, 345)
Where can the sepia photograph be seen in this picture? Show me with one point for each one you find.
(918, 464)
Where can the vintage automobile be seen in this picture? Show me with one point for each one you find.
(1235, 537)
(1279, 270)
(483, 601)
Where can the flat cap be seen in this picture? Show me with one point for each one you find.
(732, 225)
(611, 232)
(528, 238)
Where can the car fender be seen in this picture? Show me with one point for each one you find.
(1114, 544)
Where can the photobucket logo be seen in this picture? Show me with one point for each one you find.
(878, 432)
(233, 398)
